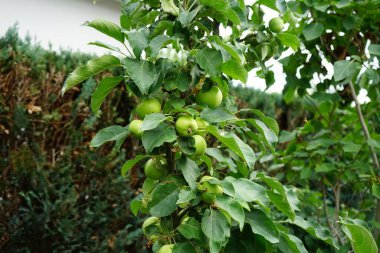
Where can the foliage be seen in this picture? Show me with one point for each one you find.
(174, 52)
(57, 194)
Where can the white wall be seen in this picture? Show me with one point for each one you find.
(59, 21)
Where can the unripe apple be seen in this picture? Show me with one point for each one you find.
(212, 98)
(276, 25)
(200, 145)
(135, 126)
(168, 248)
(186, 126)
(148, 106)
(155, 168)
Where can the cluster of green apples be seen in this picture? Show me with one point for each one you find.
(186, 126)
(155, 168)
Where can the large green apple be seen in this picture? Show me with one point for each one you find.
(148, 106)
(186, 126)
(155, 168)
(212, 98)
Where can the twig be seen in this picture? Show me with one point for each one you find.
(372, 150)
(364, 126)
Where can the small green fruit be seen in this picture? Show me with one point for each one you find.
(202, 124)
(276, 25)
(186, 126)
(212, 98)
(208, 198)
(155, 169)
(151, 221)
(168, 248)
(148, 106)
(200, 145)
(135, 126)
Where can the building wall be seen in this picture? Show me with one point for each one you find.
(59, 21)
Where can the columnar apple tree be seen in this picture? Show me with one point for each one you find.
(201, 191)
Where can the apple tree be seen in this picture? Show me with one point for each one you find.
(179, 59)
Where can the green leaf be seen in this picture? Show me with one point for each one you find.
(158, 136)
(135, 206)
(189, 170)
(215, 225)
(106, 46)
(138, 39)
(210, 60)
(184, 247)
(374, 49)
(233, 142)
(191, 229)
(228, 48)
(269, 136)
(262, 225)
(130, 163)
(108, 28)
(186, 195)
(104, 88)
(278, 196)
(185, 17)
(270, 122)
(91, 68)
(157, 43)
(316, 230)
(249, 191)
(324, 167)
(289, 40)
(376, 190)
(233, 69)
(313, 31)
(152, 120)
(170, 7)
(291, 244)
(142, 72)
(217, 115)
(232, 207)
(277, 5)
(112, 133)
(219, 5)
(361, 239)
(221, 158)
(345, 70)
(164, 198)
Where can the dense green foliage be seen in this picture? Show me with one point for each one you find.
(177, 59)
(320, 182)
(57, 194)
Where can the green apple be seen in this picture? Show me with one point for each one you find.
(276, 25)
(212, 98)
(202, 124)
(135, 127)
(155, 168)
(168, 248)
(148, 106)
(199, 145)
(186, 126)
(150, 222)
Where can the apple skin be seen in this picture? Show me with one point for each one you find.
(210, 190)
(151, 221)
(202, 124)
(212, 98)
(135, 127)
(186, 126)
(168, 248)
(200, 145)
(148, 106)
(276, 25)
(154, 169)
